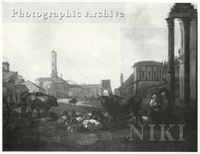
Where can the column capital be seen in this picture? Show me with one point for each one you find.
(170, 21)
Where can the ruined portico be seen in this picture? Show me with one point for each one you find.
(187, 16)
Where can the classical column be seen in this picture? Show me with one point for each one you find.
(171, 70)
(186, 24)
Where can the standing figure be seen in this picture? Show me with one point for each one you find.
(153, 102)
(85, 99)
(165, 108)
(155, 110)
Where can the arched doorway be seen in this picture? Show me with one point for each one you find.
(105, 93)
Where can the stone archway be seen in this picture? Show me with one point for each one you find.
(105, 92)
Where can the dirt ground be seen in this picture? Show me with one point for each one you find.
(42, 135)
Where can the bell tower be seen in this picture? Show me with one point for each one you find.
(54, 72)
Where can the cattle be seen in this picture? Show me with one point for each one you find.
(23, 98)
(119, 108)
(38, 101)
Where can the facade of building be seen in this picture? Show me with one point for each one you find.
(54, 86)
(82, 91)
(126, 88)
(146, 75)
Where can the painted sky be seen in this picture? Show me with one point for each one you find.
(89, 52)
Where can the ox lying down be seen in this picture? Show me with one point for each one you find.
(119, 107)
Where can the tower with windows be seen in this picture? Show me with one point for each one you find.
(54, 72)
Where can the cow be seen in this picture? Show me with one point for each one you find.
(119, 107)
(43, 102)
(23, 98)
(38, 101)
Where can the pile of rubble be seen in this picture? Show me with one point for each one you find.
(96, 119)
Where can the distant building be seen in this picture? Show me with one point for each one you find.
(146, 74)
(12, 87)
(117, 91)
(128, 86)
(54, 85)
(9, 79)
(88, 90)
(32, 87)
(59, 87)
(106, 87)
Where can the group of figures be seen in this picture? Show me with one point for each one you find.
(159, 107)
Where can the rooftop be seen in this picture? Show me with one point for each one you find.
(58, 79)
(91, 85)
(26, 82)
(147, 63)
(8, 75)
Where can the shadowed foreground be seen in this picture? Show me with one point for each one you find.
(42, 135)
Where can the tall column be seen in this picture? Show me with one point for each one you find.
(181, 65)
(171, 70)
(186, 24)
